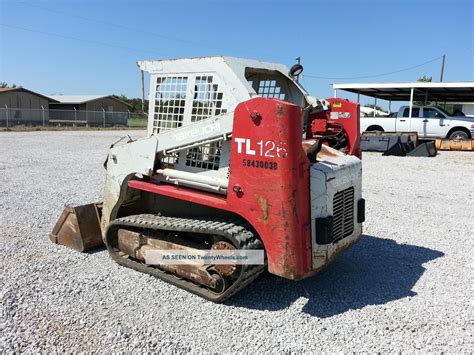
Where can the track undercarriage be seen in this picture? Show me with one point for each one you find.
(128, 240)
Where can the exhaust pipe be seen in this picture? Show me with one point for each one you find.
(78, 228)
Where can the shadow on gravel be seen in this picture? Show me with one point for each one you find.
(373, 272)
(97, 250)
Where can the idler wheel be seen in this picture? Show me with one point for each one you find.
(219, 283)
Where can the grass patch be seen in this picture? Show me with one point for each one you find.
(137, 122)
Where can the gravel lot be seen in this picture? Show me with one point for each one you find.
(406, 286)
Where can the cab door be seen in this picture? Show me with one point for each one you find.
(405, 123)
(433, 122)
(418, 123)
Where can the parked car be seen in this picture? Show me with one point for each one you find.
(369, 111)
(428, 121)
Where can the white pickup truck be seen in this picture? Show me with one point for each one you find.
(428, 121)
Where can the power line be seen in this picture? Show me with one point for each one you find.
(372, 76)
(77, 39)
(127, 28)
(106, 23)
(178, 40)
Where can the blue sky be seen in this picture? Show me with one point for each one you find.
(91, 47)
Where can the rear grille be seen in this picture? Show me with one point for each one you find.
(343, 214)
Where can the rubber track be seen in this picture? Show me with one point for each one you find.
(233, 230)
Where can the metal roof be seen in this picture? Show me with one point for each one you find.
(20, 88)
(76, 99)
(449, 92)
(206, 64)
(80, 99)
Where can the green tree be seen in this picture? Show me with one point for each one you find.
(135, 103)
(423, 79)
(4, 85)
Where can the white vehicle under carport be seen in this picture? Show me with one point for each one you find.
(427, 121)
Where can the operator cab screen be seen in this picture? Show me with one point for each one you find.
(273, 84)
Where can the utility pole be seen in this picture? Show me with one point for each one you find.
(442, 69)
(143, 91)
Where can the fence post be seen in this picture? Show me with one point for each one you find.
(75, 117)
(103, 114)
(42, 113)
(6, 108)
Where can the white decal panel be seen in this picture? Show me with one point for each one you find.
(261, 148)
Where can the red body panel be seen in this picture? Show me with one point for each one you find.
(183, 193)
(275, 197)
(351, 122)
(345, 113)
(268, 184)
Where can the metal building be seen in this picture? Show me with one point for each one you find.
(90, 109)
(22, 106)
(108, 103)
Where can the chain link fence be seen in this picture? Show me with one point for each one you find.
(14, 117)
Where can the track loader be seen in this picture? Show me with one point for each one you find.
(238, 158)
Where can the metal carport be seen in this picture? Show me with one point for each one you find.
(419, 91)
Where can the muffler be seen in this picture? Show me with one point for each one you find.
(78, 227)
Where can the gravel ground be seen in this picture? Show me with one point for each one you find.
(407, 285)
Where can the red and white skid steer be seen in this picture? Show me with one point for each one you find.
(238, 158)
